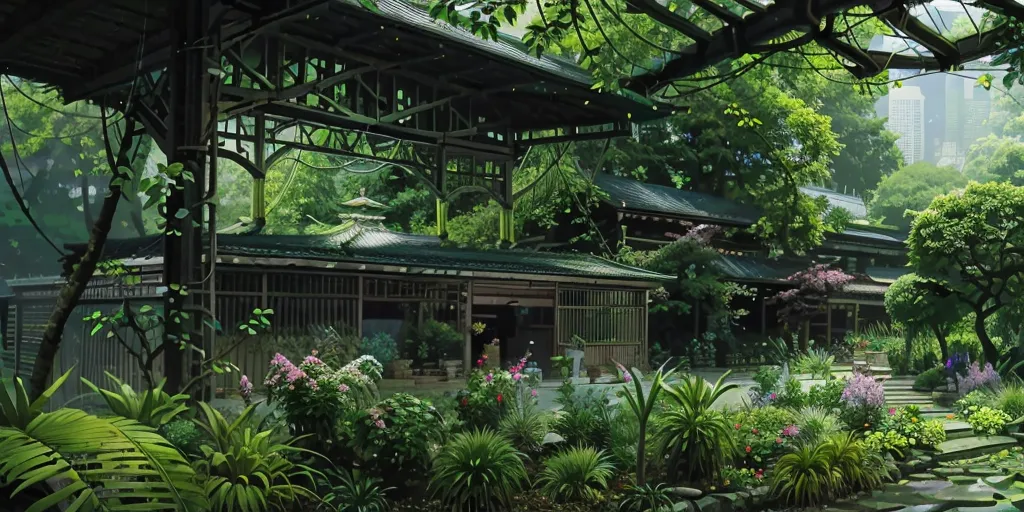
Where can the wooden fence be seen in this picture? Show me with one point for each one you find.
(613, 323)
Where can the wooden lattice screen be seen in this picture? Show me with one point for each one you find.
(612, 322)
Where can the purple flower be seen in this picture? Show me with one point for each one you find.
(312, 360)
(294, 374)
(517, 376)
(244, 386)
(279, 360)
(489, 377)
(533, 393)
(791, 431)
(343, 388)
(978, 378)
(863, 390)
(627, 378)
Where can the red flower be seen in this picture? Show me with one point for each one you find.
(499, 398)
(753, 431)
(479, 362)
(748, 449)
(778, 440)
(465, 402)
(738, 426)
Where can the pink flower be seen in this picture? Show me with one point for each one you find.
(737, 426)
(517, 376)
(279, 360)
(772, 396)
(778, 440)
(499, 398)
(343, 388)
(313, 385)
(489, 377)
(791, 431)
(748, 449)
(479, 362)
(379, 423)
(892, 411)
(295, 374)
(484, 357)
(312, 360)
(244, 386)
(753, 431)
(627, 378)
(533, 392)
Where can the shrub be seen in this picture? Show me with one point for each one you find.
(862, 399)
(817, 423)
(576, 474)
(761, 435)
(441, 337)
(584, 418)
(1010, 400)
(478, 470)
(931, 379)
(792, 395)
(645, 498)
(890, 441)
(827, 395)
(858, 467)
(989, 421)
(817, 362)
(525, 427)
(978, 378)
(767, 384)
(397, 436)
(358, 492)
(624, 436)
(153, 407)
(381, 347)
(491, 393)
(904, 427)
(973, 401)
(184, 435)
(805, 476)
(691, 433)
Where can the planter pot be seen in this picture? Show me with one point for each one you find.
(452, 367)
(877, 359)
(594, 373)
(945, 398)
(577, 361)
(400, 369)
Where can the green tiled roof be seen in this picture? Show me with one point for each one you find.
(629, 194)
(376, 245)
(853, 204)
(886, 275)
(758, 268)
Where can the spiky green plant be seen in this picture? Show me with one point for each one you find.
(817, 362)
(358, 492)
(805, 477)
(853, 463)
(817, 423)
(478, 470)
(525, 427)
(576, 474)
(692, 436)
(64, 459)
(246, 469)
(644, 498)
(642, 407)
(153, 407)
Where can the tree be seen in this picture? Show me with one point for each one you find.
(812, 289)
(996, 159)
(922, 305)
(970, 242)
(911, 188)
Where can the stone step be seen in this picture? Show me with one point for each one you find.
(958, 429)
(975, 446)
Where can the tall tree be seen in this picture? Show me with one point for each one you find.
(923, 306)
(911, 188)
(996, 159)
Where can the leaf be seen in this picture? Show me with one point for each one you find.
(181, 213)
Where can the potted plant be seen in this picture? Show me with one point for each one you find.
(447, 342)
(383, 348)
(575, 352)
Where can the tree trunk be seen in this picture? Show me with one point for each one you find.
(72, 290)
(987, 347)
(86, 199)
(943, 347)
(805, 335)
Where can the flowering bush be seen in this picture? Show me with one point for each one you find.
(763, 435)
(813, 287)
(862, 401)
(978, 378)
(989, 421)
(398, 436)
(765, 390)
(314, 396)
(889, 441)
(741, 479)
(973, 401)
(490, 393)
(907, 423)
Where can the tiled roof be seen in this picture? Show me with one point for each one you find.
(852, 204)
(377, 246)
(629, 194)
(870, 237)
(757, 268)
(864, 289)
(886, 275)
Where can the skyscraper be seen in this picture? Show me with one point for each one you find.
(906, 118)
(978, 107)
(955, 114)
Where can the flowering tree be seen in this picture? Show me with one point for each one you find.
(813, 287)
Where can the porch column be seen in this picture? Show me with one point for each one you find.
(467, 351)
(258, 201)
(856, 319)
(442, 217)
(764, 312)
(828, 324)
(506, 227)
(18, 323)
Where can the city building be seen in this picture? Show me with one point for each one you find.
(906, 118)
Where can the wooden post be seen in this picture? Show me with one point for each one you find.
(828, 324)
(856, 319)
(764, 313)
(359, 310)
(467, 351)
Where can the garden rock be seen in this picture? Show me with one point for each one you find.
(685, 492)
(552, 438)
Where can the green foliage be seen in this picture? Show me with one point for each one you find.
(805, 477)
(904, 427)
(792, 395)
(931, 379)
(972, 402)
(442, 338)
(183, 434)
(760, 437)
(396, 437)
(73, 447)
(692, 435)
(584, 418)
(645, 498)
(1010, 399)
(826, 396)
(245, 468)
(381, 346)
(154, 407)
(996, 159)
(624, 438)
(477, 470)
(358, 492)
(912, 188)
(818, 362)
(989, 421)
(817, 423)
(858, 466)
(525, 427)
(576, 474)
(642, 407)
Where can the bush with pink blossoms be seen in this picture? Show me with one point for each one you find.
(490, 393)
(986, 379)
(314, 396)
(862, 401)
(396, 438)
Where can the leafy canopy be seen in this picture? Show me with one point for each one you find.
(912, 188)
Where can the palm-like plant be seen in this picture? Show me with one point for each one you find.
(525, 427)
(817, 362)
(358, 493)
(642, 407)
(817, 423)
(576, 474)
(478, 470)
(805, 477)
(645, 498)
(692, 432)
(247, 469)
(859, 468)
(153, 407)
(83, 462)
